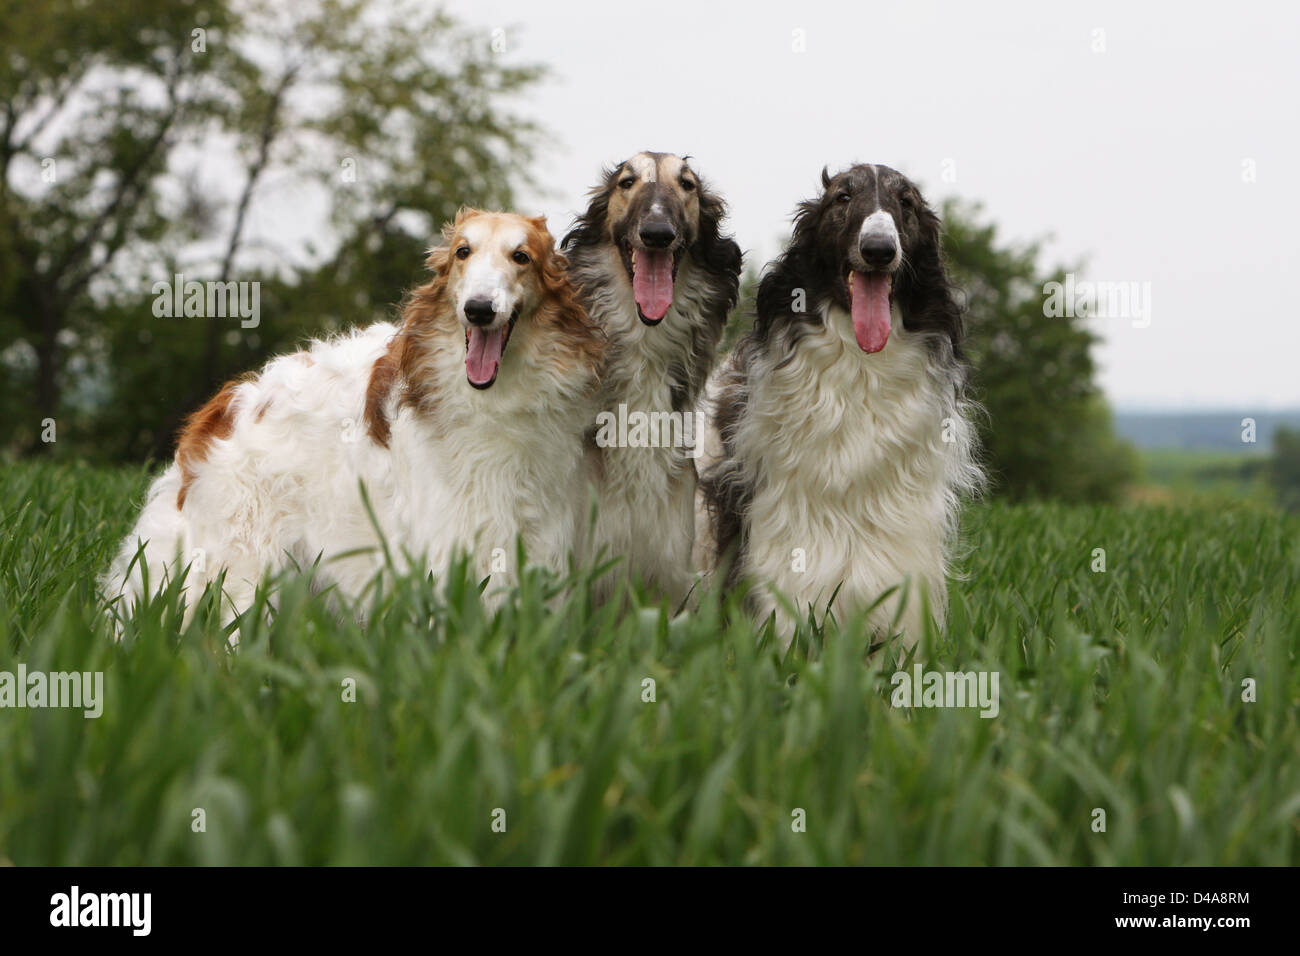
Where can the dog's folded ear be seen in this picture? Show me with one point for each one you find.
(552, 264)
(438, 261)
(562, 304)
(718, 254)
(589, 228)
(560, 289)
(439, 257)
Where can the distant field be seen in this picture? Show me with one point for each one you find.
(1120, 691)
(1204, 474)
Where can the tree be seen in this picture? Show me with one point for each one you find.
(389, 118)
(741, 318)
(80, 163)
(1046, 430)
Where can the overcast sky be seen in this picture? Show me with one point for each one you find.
(1134, 159)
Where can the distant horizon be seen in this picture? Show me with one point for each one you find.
(1171, 411)
(1236, 431)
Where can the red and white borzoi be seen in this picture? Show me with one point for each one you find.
(464, 423)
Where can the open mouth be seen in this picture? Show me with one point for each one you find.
(653, 272)
(484, 349)
(870, 296)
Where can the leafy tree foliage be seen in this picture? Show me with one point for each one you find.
(389, 117)
(1046, 429)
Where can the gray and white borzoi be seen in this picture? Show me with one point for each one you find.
(657, 274)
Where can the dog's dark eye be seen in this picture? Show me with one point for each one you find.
(687, 184)
(462, 252)
(521, 257)
(626, 182)
(843, 197)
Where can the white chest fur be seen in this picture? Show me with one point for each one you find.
(857, 463)
(645, 494)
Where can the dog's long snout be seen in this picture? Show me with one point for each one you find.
(878, 250)
(657, 234)
(480, 311)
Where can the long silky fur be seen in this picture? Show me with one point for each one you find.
(269, 474)
(645, 496)
(825, 458)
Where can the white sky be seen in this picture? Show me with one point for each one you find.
(1131, 159)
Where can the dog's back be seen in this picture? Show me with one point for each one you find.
(266, 475)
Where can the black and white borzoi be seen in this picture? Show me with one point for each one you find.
(840, 440)
(659, 277)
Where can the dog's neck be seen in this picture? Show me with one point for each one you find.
(423, 374)
(657, 368)
(889, 420)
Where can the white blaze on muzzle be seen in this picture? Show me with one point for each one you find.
(880, 227)
(652, 269)
(484, 281)
(870, 291)
(489, 275)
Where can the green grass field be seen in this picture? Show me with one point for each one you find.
(1120, 691)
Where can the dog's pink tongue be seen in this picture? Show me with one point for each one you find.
(484, 355)
(652, 282)
(869, 304)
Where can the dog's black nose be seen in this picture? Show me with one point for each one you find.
(480, 311)
(657, 235)
(878, 250)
